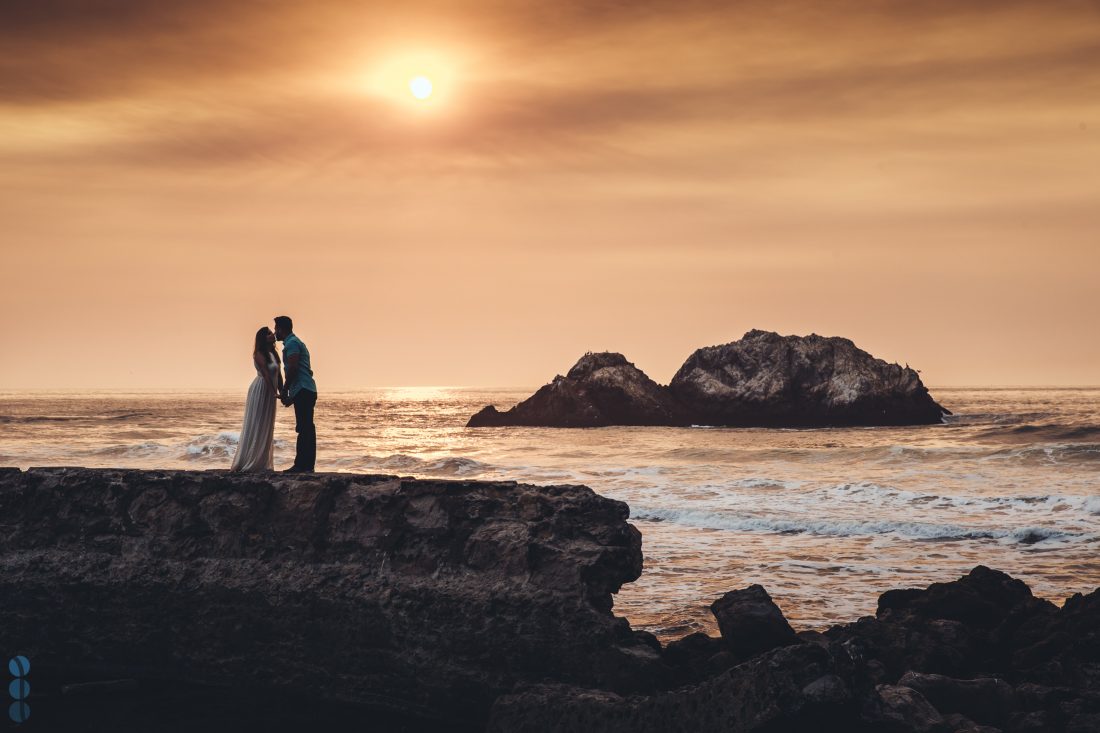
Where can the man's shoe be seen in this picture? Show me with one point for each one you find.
(292, 469)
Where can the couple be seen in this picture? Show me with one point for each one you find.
(255, 450)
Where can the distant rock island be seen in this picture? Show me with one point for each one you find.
(763, 380)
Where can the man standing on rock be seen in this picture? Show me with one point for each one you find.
(299, 390)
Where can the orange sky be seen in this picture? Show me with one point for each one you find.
(645, 177)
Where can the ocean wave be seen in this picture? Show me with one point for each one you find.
(128, 415)
(144, 449)
(218, 447)
(758, 482)
(849, 528)
(1046, 454)
(979, 451)
(31, 419)
(456, 467)
(1057, 433)
(36, 419)
(221, 446)
(878, 495)
(447, 466)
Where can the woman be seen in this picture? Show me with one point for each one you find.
(255, 450)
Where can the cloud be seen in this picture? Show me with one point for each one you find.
(701, 87)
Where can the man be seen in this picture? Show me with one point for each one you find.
(299, 390)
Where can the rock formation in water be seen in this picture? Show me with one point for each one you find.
(424, 598)
(601, 389)
(763, 380)
(770, 380)
(219, 599)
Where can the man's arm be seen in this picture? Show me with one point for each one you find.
(291, 355)
(291, 370)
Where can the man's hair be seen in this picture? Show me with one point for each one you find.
(284, 322)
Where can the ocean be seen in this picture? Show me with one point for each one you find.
(825, 519)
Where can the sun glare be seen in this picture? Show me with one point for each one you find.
(423, 83)
(421, 87)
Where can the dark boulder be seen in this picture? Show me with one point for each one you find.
(897, 709)
(961, 724)
(983, 598)
(751, 623)
(600, 390)
(1060, 646)
(793, 688)
(984, 648)
(770, 380)
(984, 699)
(696, 657)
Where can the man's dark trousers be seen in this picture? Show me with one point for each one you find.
(305, 452)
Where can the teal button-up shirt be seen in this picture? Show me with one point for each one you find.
(293, 345)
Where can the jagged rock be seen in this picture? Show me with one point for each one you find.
(966, 628)
(696, 657)
(788, 689)
(601, 389)
(902, 710)
(427, 598)
(770, 380)
(962, 724)
(762, 380)
(693, 648)
(983, 598)
(1061, 646)
(984, 699)
(987, 625)
(751, 623)
(1037, 722)
(1083, 723)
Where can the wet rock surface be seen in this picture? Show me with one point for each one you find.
(763, 380)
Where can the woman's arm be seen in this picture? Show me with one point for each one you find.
(261, 365)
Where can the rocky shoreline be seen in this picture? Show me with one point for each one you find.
(762, 380)
(334, 601)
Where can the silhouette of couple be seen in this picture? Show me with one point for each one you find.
(255, 450)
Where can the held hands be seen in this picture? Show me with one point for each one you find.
(284, 397)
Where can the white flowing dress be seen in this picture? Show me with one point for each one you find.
(256, 450)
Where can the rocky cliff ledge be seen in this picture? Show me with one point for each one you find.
(175, 600)
(427, 599)
(763, 380)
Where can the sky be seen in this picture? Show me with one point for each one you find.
(641, 176)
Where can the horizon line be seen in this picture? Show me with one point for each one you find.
(341, 389)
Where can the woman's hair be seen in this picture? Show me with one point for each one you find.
(263, 346)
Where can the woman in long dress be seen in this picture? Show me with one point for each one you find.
(255, 449)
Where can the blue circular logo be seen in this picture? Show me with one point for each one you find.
(19, 666)
(19, 711)
(19, 689)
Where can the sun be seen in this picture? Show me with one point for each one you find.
(421, 87)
